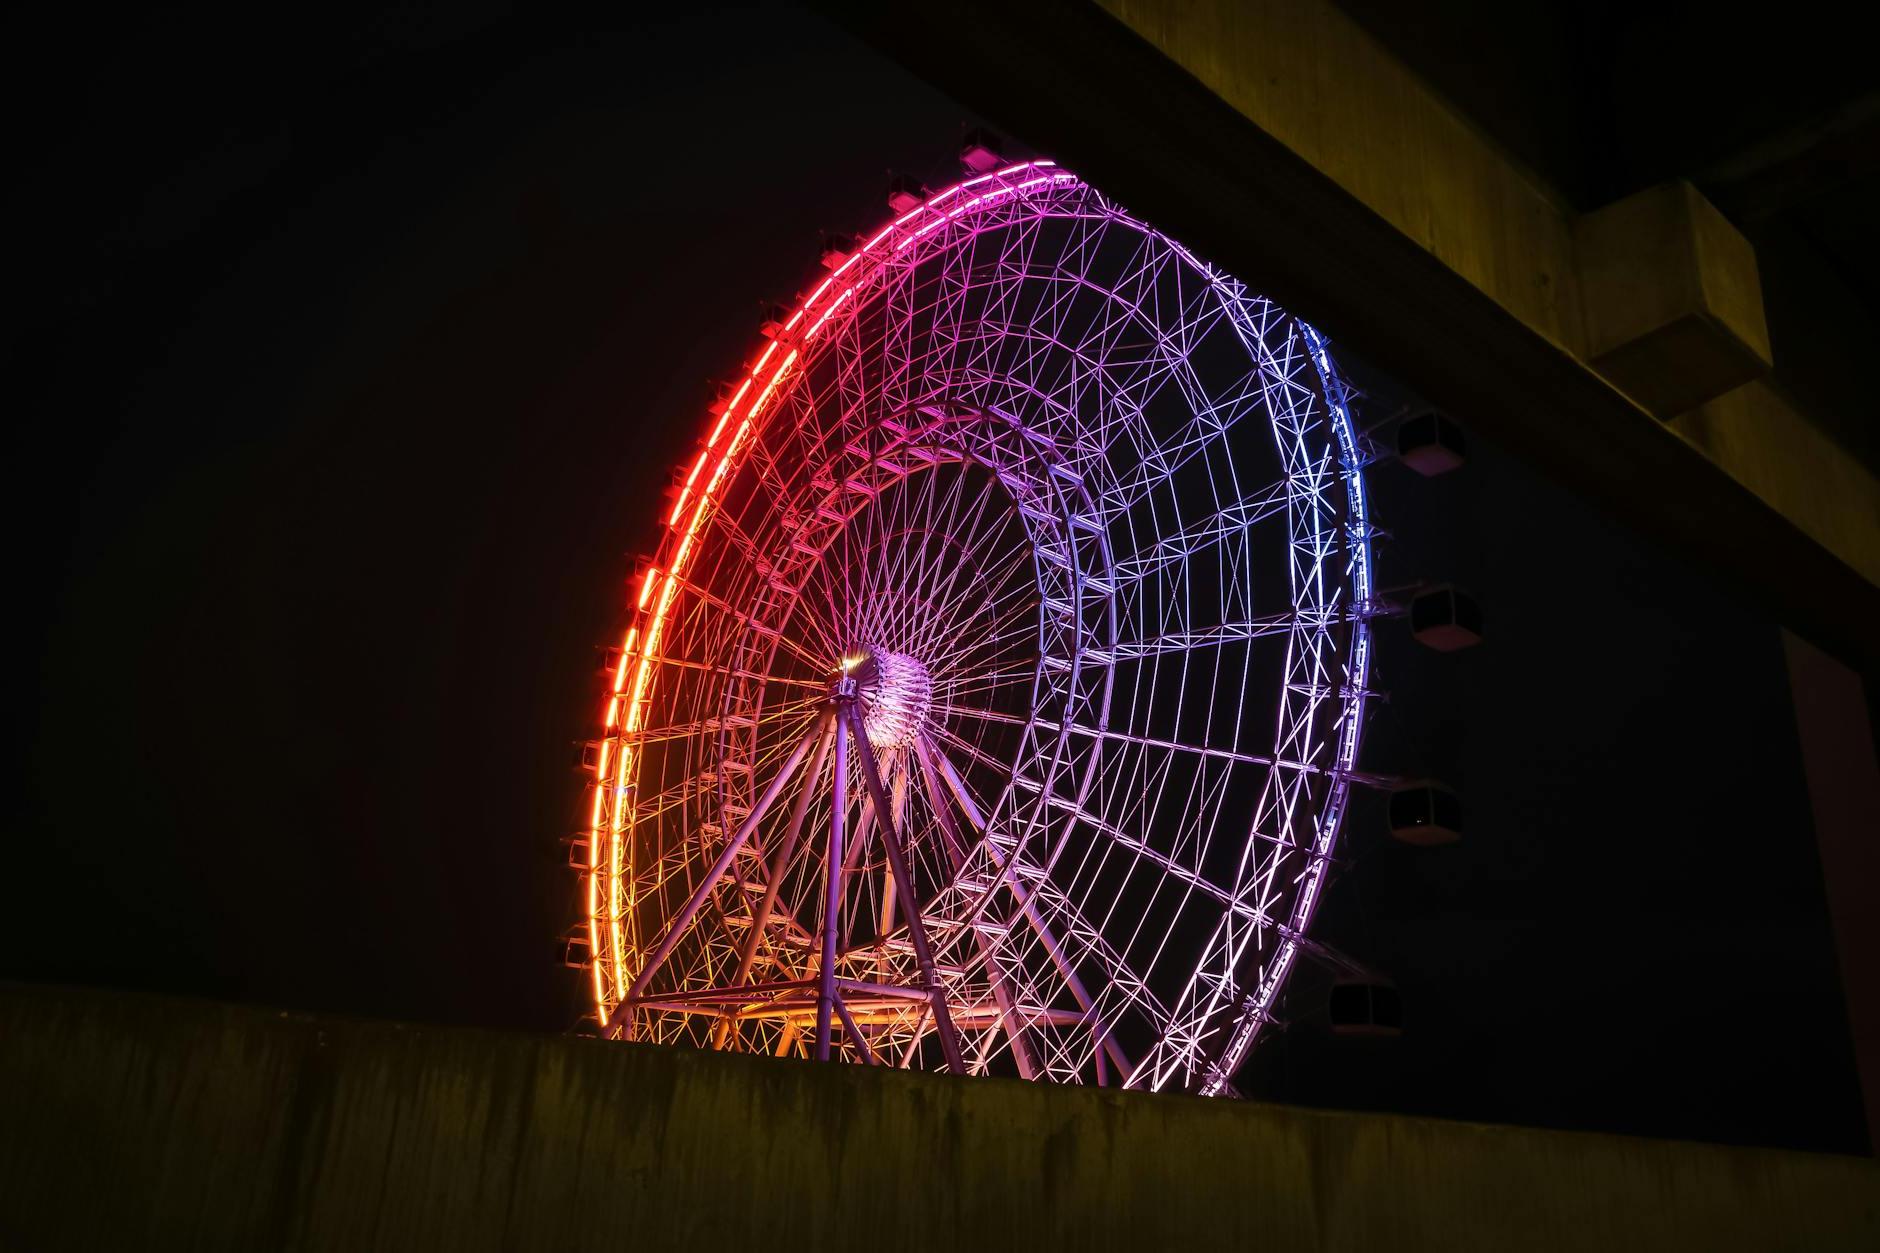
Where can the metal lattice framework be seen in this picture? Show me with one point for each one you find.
(993, 696)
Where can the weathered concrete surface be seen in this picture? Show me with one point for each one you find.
(134, 1123)
(1788, 462)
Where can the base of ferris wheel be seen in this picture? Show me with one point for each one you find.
(816, 1007)
(811, 1010)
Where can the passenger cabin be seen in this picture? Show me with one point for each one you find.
(1425, 813)
(1431, 443)
(836, 250)
(981, 152)
(1446, 619)
(906, 193)
(1364, 1007)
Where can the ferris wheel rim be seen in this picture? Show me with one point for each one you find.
(764, 387)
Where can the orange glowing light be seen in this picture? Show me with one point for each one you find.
(679, 505)
(626, 655)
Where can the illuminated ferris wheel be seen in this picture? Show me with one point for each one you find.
(991, 701)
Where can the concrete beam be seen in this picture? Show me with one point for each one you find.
(1284, 144)
(1794, 468)
(147, 1123)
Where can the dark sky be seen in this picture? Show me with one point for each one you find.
(357, 351)
(363, 353)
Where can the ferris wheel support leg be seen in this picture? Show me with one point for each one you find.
(897, 866)
(855, 1035)
(1059, 958)
(897, 796)
(1003, 992)
(858, 836)
(832, 894)
(779, 862)
(709, 883)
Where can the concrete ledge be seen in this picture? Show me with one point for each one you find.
(145, 1123)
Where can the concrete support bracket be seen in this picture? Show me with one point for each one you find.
(1673, 308)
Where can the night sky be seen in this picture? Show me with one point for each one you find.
(356, 354)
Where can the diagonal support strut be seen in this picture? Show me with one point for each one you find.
(897, 865)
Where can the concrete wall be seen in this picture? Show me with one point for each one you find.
(134, 1123)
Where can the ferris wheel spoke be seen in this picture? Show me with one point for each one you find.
(935, 526)
(670, 662)
(806, 616)
(744, 618)
(960, 744)
(1012, 680)
(933, 760)
(708, 885)
(987, 715)
(1004, 993)
(1040, 881)
(1005, 594)
(972, 654)
(791, 708)
(785, 850)
(939, 608)
(966, 529)
(1000, 605)
(915, 526)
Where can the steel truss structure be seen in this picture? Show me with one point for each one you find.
(992, 699)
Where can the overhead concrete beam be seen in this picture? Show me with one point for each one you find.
(1282, 142)
(1791, 465)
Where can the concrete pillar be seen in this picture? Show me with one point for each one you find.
(1831, 712)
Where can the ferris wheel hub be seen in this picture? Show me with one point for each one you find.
(895, 692)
